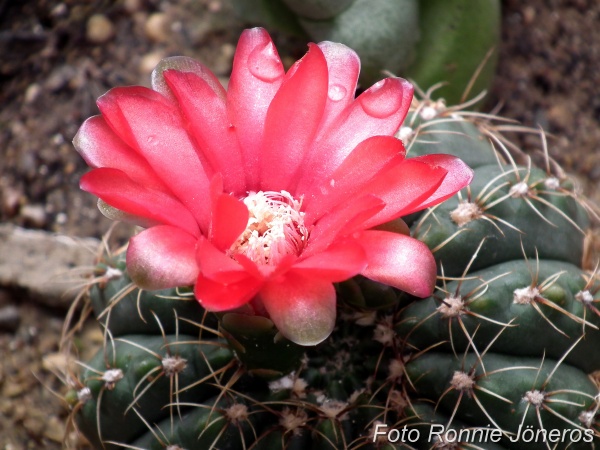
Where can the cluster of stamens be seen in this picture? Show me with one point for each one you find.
(275, 228)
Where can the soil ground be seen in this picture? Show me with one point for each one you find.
(57, 57)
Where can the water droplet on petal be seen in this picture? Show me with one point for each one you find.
(149, 139)
(382, 99)
(336, 92)
(264, 63)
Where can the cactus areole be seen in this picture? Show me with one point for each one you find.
(265, 194)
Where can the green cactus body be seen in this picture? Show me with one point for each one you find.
(137, 373)
(508, 393)
(524, 308)
(511, 212)
(511, 334)
(428, 41)
(509, 339)
(219, 424)
(457, 36)
(372, 28)
(124, 309)
(452, 135)
(427, 420)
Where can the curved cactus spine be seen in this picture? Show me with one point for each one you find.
(507, 344)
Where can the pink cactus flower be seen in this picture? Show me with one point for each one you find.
(267, 193)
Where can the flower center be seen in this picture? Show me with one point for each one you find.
(275, 228)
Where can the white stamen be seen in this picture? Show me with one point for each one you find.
(275, 228)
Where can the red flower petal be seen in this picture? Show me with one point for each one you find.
(403, 188)
(400, 261)
(342, 221)
(148, 122)
(378, 111)
(121, 192)
(184, 64)
(302, 309)
(343, 66)
(101, 147)
(459, 175)
(339, 262)
(217, 266)
(365, 163)
(206, 113)
(162, 257)
(229, 217)
(292, 120)
(215, 296)
(117, 215)
(255, 78)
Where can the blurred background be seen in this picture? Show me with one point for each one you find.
(57, 57)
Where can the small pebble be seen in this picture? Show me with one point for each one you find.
(529, 15)
(11, 197)
(132, 6)
(59, 362)
(560, 116)
(215, 6)
(35, 424)
(59, 77)
(59, 11)
(55, 429)
(10, 318)
(149, 61)
(11, 389)
(157, 27)
(34, 215)
(99, 29)
(11, 446)
(32, 93)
